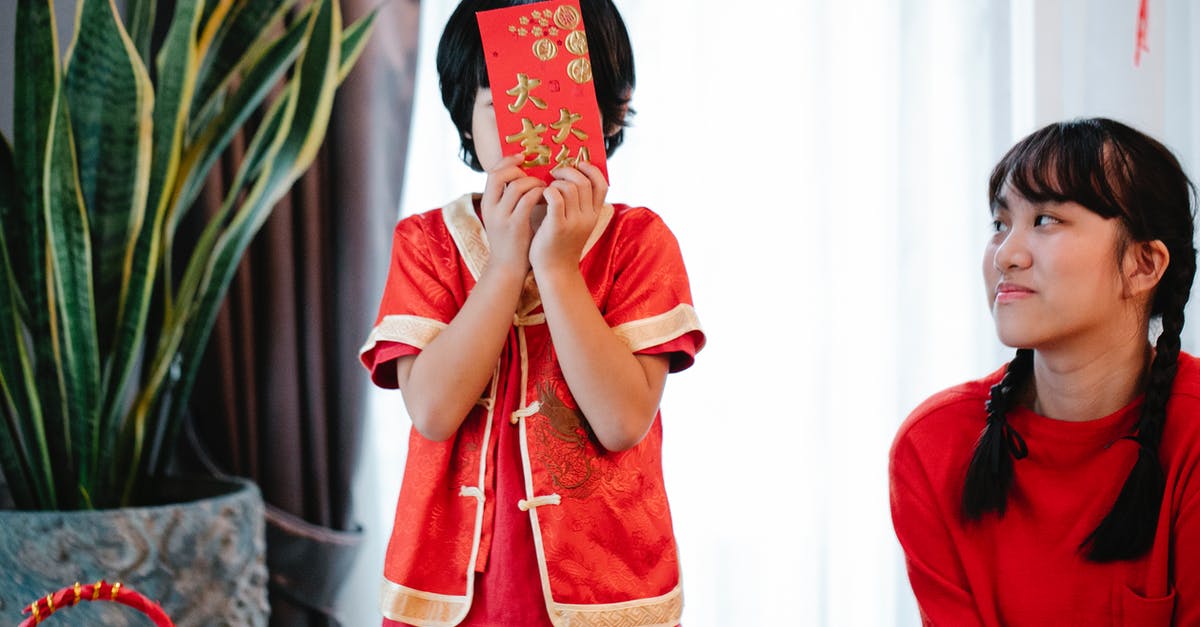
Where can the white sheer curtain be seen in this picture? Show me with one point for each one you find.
(823, 165)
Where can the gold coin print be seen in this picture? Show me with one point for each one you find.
(566, 17)
(577, 43)
(545, 49)
(580, 70)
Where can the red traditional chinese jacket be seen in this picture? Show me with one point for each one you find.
(605, 547)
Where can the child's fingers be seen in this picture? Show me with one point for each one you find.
(569, 192)
(596, 176)
(581, 183)
(554, 203)
(526, 204)
(518, 188)
(500, 176)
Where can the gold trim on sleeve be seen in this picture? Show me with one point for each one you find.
(412, 330)
(646, 332)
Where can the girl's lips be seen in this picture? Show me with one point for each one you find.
(1010, 292)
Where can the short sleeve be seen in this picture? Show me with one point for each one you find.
(416, 304)
(650, 304)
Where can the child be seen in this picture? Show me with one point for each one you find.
(1064, 489)
(530, 329)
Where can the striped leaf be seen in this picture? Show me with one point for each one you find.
(259, 81)
(233, 45)
(73, 325)
(110, 99)
(354, 41)
(24, 457)
(139, 254)
(301, 131)
(141, 25)
(36, 56)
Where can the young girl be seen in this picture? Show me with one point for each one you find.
(531, 329)
(1064, 489)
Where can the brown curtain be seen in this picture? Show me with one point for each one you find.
(280, 398)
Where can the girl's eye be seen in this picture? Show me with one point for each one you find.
(998, 226)
(1043, 220)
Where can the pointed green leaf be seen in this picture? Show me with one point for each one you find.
(34, 85)
(111, 102)
(354, 41)
(302, 130)
(256, 86)
(141, 26)
(24, 456)
(176, 79)
(177, 64)
(243, 36)
(74, 330)
(33, 93)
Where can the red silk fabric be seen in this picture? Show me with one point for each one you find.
(610, 539)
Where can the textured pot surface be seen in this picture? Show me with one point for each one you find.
(204, 560)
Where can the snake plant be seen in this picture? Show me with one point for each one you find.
(103, 321)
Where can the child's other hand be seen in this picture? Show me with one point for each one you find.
(509, 197)
(573, 203)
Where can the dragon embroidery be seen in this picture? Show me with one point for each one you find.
(564, 436)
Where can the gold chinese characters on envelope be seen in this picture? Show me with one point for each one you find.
(541, 81)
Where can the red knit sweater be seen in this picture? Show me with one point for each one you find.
(1026, 568)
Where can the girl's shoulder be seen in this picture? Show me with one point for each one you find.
(949, 416)
(1187, 377)
(1183, 409)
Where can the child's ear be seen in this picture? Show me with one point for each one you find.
(1145, 264)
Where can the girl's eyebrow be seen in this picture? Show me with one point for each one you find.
(1000, 203)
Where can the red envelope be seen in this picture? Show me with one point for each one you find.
(542, 93)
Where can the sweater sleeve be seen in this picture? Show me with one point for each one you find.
(935, 570)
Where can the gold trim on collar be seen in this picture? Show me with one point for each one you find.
(467, 232)
(471, 240)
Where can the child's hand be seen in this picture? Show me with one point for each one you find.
(574, 200)
(509, 197)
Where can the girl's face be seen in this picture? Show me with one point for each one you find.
(1052, 275)
(483, 130)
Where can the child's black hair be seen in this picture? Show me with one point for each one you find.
(1116, 172)
(462, 70)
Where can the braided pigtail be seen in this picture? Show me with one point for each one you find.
(1128, 529)
(990, 474)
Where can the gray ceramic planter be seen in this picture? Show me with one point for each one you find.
(203, 560)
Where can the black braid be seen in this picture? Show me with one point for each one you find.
(990, 475)
(1128, 530)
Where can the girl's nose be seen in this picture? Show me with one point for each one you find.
(1013, 252)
